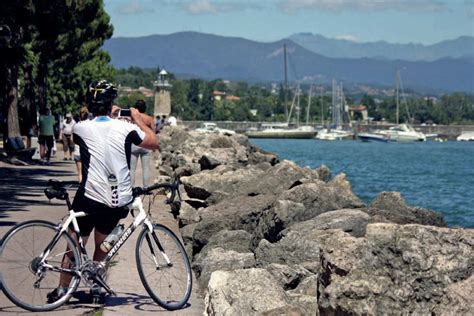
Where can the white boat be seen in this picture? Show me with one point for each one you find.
(334, 134)
(339, 108)
(283, 130)
(403, 133)
(369, 137)
(466, 137)
(211, 128)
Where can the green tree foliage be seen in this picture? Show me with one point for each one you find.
(53, 47)
(68, 45)
(15, 24)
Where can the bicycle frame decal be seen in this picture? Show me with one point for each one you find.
(120, 242)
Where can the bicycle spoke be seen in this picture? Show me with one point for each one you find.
(169, 285)
(21, 285)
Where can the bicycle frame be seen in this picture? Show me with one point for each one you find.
(140, 219)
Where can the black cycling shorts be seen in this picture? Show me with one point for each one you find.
(99, 216)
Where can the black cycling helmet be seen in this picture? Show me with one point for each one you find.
(100, 96)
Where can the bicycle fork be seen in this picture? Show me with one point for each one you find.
(160, 247)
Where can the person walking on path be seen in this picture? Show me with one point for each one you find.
(105, 189)
(65, 135)
(83, 115)
(141, 153)
(46, 135)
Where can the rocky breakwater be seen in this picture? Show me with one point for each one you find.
(268, 237)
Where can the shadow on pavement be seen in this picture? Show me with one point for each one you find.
(22, 187)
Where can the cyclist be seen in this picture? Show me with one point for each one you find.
(105, 190)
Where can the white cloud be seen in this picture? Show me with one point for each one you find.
(201, 7)
(292, 6)
(348, 37)
(133, 7)
(214, 7)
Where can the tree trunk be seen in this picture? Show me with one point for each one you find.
(43, 86)
(12, 101)
(28, 100)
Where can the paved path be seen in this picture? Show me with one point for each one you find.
(22, 198)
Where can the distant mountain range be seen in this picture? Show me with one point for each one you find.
(211, 56)
(461, 47)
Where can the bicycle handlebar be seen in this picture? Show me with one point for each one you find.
(172, 186)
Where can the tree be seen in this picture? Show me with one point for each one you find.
(15, 17)
(68, 44)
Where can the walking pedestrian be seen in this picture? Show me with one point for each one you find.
(65, 135)
(142, 153)
(46, 135)
(83, 116)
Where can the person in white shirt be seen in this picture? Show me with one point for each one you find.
(65, 135)
(172, 121)
(105, 189)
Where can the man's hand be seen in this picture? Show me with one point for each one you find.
(135, 115)
(115, 111)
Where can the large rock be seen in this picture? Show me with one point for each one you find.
(350, 221)
(391, 207)
(289, 277)
(243, 292)
(401, 268)
(239, 213)
(319, 197)
(220, 259)
(251, 180)
(294, 248)
(189, 152)
(236, 240)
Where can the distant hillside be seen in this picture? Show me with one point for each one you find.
(210, 56)
(338, 48)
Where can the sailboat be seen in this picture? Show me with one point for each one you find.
(283, 130)
(402, 132)
(335, 132)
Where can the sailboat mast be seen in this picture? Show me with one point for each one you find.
(322, 108)
(309, 104)
(286, 82)
(397, 96)
(298, 107)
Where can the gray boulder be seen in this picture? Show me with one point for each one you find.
(401, 268)
(238, 213)
(289, 277)
(350, 221)
(243, 292)
(220, 259)
(251, 180)
(236, 240)
(391, 207)
(319, 197)
(293, 248)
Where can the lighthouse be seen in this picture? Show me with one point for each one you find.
(162, 94)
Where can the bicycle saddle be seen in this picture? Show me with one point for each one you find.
(56, 189)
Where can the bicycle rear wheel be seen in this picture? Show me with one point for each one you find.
(25, 278)
(168, 282)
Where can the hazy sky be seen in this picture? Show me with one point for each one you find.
(395, 21)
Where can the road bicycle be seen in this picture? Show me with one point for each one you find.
(33, 254)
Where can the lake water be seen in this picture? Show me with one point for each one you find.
(433, 175)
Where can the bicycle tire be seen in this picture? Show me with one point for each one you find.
(171, 275)
(15, 273)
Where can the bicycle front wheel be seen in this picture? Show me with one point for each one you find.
(27, 275)
(164, 267)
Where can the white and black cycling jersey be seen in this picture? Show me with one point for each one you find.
(105, 148)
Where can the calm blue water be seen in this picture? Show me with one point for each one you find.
(438, 176)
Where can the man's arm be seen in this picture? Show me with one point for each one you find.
(150, 141)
